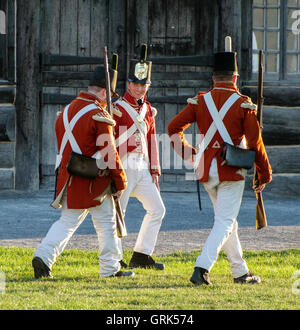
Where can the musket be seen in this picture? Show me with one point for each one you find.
(261, 219)
(120, 222)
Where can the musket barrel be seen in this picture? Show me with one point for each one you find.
(260, 98)
(107, 81)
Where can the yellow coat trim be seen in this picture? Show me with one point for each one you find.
(103, 119)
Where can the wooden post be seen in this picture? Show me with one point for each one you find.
(27, 95)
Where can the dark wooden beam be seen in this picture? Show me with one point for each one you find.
(27, 96)
(280, 135)
(55, 60)
(52, 98)
(288, 96)
(186, 75)
(7, 122)
(7, 152)
(197, 60)
(170, 99)
(80, 79)
(7, 94)
(3, 132)
(70, 78)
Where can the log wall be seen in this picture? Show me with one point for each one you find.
(175, 30)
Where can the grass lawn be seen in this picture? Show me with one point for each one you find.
(76, 284)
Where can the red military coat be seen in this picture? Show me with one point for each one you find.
(124, 121)
(84, 193)
(240, 121)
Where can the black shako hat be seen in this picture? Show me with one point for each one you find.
(98, 76)
(140, 70)
(225, 63)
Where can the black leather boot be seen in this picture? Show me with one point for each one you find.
(123, 264)
(40, 268)
(120, 273)
(248, 278)
(200, 276)
(141, 260)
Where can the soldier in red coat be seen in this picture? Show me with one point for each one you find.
(85, 127)
(236, 116)
(137, 146)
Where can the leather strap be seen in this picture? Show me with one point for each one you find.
(216, 116)
(69, 127)
(137, 124)
(213, 127)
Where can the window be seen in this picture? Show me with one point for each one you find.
(276, 32)
(3, 60)
(292, 38)
(2, 22)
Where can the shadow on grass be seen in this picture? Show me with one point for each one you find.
(138, 282)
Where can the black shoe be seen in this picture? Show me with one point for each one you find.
(248, 278)
(141, 260)
(200, 276)
(123, 264)
(40, 268)
(121, 273)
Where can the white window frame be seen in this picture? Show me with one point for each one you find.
(2, 22)
(282, 74)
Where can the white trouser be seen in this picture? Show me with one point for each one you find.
(103, 217)
(140, 185)
(226, 197)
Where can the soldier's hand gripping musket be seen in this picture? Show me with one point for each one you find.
(120, 222)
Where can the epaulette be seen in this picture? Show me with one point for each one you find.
(249, 105)
(116, 111)
(104, 116)
(58, 113)
(193, 100)
(154, 111)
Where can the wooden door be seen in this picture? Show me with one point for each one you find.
(79, 28)
(173, 28)
(169, 27)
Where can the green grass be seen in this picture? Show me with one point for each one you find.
(76, 283)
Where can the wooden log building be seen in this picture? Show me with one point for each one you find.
(48, 49)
